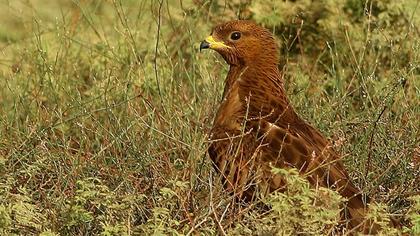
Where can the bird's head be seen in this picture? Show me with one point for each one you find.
(242, 42)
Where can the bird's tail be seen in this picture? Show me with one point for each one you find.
(356, 212)
(355, 215)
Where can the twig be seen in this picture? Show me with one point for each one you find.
(156, 52)
(212, 208)
(196, 226)
(369, 159)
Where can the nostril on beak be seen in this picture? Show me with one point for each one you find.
(204, 45)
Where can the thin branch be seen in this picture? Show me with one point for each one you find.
(369, 159)
(156, 51)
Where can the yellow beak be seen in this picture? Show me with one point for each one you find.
(209, 42)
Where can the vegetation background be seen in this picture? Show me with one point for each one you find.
(105, 107)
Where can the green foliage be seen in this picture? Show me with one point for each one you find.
(5, 219)
(48, 233)
(94, 208)
(162, 221)
(103, 127)
(307, 209)
(299, 208)
(378, 214)
(414, 216)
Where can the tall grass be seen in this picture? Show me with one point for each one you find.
(105, 107)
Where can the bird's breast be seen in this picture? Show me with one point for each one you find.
(231, 111)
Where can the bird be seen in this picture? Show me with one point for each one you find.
(256, 127)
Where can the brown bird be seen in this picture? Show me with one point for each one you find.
(256, 127)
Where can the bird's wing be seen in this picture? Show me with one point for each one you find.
(304, 148)
(301, 146)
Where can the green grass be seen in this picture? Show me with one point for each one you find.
(103, 124)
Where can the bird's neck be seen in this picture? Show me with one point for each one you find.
(261, 86)
(255, 78)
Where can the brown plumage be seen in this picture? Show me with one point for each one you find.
(256, 127)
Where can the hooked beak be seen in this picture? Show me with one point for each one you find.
(209, 42)
(204, 45)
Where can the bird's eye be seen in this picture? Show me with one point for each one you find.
(235, 36)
